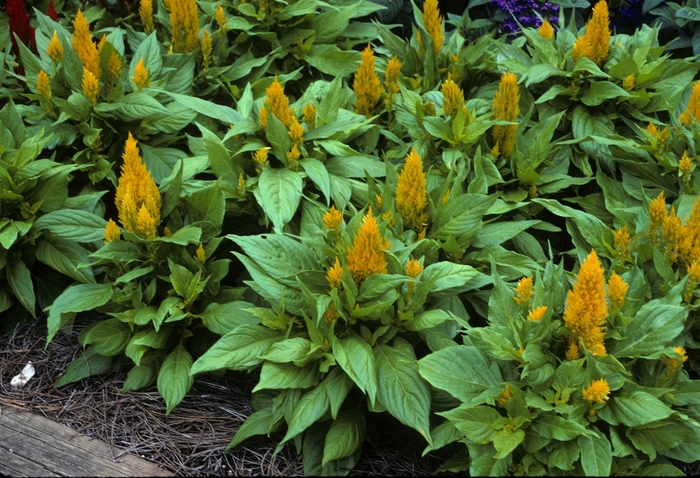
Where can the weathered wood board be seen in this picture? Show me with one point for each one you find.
(31, 445)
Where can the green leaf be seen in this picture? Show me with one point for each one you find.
(108, 337)
(686, 393)
(279, 194)
(238, 350)
(174, 379)
(461, 218)
(66, 257)
(77, 298)
(468, 375)
(638, 408)
(310, 408)
(599, 91)
(318, 173)
(136, 106)
(505, 441)
(558, 428)
(150, 52)
(355, 357)
(564, 455)
(331, 60)
(658, 436)
(259, 423)
(72, 225)
(654, 326)
(345, 435)
(90, 363)
(276, 376)
(596, 454)
(339, 385)
(448, 278)
(20, 280)
(401, 389)
(144, 375)
(475, 422)
(223, 318)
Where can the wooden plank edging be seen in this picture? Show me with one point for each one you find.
(31, 445)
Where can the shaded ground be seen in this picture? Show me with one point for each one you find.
(191, 440)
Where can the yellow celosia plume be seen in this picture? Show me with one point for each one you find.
(366, 255)
(84, 46)
(586, 308)
(309, 114)
(452, 97)
(594, 44)
(335, 275)
(505, 107)
(43, 85)
(184, 21)
(277, 103)
(617, 290)
(141, 77)
(693, 110)
(55, 48)
(90, 85)
(146, 14)
(622, 244)
(411, 192)
(546, 30)
(523, 291)
(114, 69)
(367, 87)
(112, 232)
(536, 314)
(433, 24)
(598, 391)
(137, 198)
(333, 219)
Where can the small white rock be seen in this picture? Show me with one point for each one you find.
(19, 381)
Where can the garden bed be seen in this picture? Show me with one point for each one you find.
(191, 440)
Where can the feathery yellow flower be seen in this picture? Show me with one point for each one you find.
(598, 391)
(84, 46)
(293, 156)
(657, 214)
(622, 244)
(446, 197)
(586, 308)
(411, 192)
(277, 103)
(672, 234)
(200, 255)
(101, 44)
(685, 166)
(674, 363)
(206, 48)
(367, 87)
(366, 255)
(693, 110)
(296, 132)
(536, 314)
(617, 290)
(112, 232)
(628, 83)
(391, 76)
(505, 396)
(453, 98)
(333, 219)
(113, 72)
(184, 20)
(413, 270)
(309, 113)
(694, 271)
(146, 13)
(335, 275)
(433, 24)
(221, 21)
(55, 48)
(505, 107)
(241, 184)
(43, 85)
(331, 314)
(91, 87)
(523, 291)
(689, 248)
(141, 76)
(546, 30)
(260, 158)
(137, 198)
(595, 42)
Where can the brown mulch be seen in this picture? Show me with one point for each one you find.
(192, 439)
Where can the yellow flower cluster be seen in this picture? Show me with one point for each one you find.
(221, 20)
(260, 159)
(112, 232)
(206, 48)
(411, 192)
(622, 244)
(366, 85)
(200, 256)
(452, 97)
(433, 24)
(84, 46)
(114, 69)
(685, 166)
(391, 80)
(617, 290)
(536, 314)
(628, 83)
(413, 270)
(546, 30)
(146, 14)
(309, 114)
(296, 135)
(137, 198)
(55, 48)
(505, 107)
(43, 85)
(674, 363)
(277, 103)
(586, 309)
(333, 219)
(141, 77)
(90, 85)
(693, 110)
(366, 255)
(184, 21)
(598, 391)
(505, 395)
(523, 291)
(681, 242)
(335, 275)
(595, 43)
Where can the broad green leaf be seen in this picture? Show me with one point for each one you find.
(280, 194)
(401, 389)
(278, 376)
(505, 441)
(461, 218)
(468, 375)
(654, 326)
(345, 435)
(259, 423)
(310, 408)
(77, 298)
(72, 225)
(475, 422)
(558, 428)
(658, 436)
(638, 408)
(90, 363)
(174, 379)
(108, 337)
(355, 357)
(144, 375)
(66, 257)
(339, 385)
(223, 318)
(20, 280)
(564, 455)
(318, 173)
(238, 350)
(331, 60)
(448, 278)
(596, 454)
